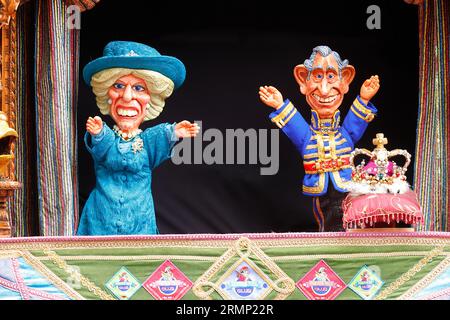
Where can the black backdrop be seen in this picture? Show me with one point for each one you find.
(229, 49)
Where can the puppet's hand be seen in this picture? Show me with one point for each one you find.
(94, 125)
(271, 96)
(369, 89)
(185, 129)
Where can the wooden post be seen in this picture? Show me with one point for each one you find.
(6, 190)
(8, 66)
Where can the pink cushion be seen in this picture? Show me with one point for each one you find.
(365, 210)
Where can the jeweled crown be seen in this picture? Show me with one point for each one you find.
(379, 170)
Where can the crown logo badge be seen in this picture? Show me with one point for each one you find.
(380, 174)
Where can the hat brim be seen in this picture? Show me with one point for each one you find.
(168, 66)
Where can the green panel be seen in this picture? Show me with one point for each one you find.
(391, 268)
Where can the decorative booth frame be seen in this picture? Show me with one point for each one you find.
(434, 100)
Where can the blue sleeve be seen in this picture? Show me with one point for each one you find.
(358, 118)
(98, 145)
(291, 122)
(159, 141)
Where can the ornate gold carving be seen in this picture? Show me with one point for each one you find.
(8, 10)
(6, 190)
(8, 76)
(83, 4)
(7, 186)
(8, 106)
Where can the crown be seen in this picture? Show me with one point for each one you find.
(379, 175)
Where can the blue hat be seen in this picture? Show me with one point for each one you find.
(133, 55)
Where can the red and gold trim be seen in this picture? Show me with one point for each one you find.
(330, 165)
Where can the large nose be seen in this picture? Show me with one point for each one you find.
(324, 87)
(128, 93)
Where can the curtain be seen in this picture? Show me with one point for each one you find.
(47, 90)
(56, 85)
(431, 171)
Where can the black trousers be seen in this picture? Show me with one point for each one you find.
(328, 210)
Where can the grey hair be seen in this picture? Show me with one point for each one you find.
(325, 51)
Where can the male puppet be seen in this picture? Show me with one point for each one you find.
(324, 145)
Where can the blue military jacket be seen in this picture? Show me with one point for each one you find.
(324, 145)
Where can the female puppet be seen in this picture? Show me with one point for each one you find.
(131, 82)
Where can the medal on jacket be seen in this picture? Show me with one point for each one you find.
(137, 145)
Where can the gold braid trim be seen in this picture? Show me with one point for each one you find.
(332, 145)
(9, 254)
(285, 121)
(243, 248)
(282, 277)
(75, 274)
(54, 279)
(282, 119)
(342, 141)
(339, 181)
(283, 113)
(343, 150)
(353, 256)
(204, 279)
(316, 189)
(44, 271)
(311, 146)
(368, 118)
(441, 267)
(409, 274)
(382, 240)
(311, 156)
(358, 105)
(132, 258)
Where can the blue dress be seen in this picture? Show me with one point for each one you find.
(121, 202)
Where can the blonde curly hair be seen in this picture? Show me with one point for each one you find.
(160, 88)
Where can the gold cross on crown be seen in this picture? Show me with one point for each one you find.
(380, 141)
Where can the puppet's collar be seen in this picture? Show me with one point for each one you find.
(126, 136)
(325, 124)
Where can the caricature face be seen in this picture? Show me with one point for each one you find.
(324, 89)
(129, 96)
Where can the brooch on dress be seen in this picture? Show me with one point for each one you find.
(137, 145)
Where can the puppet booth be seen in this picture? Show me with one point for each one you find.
(86, 214)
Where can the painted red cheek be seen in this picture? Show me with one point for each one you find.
(113, 94)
